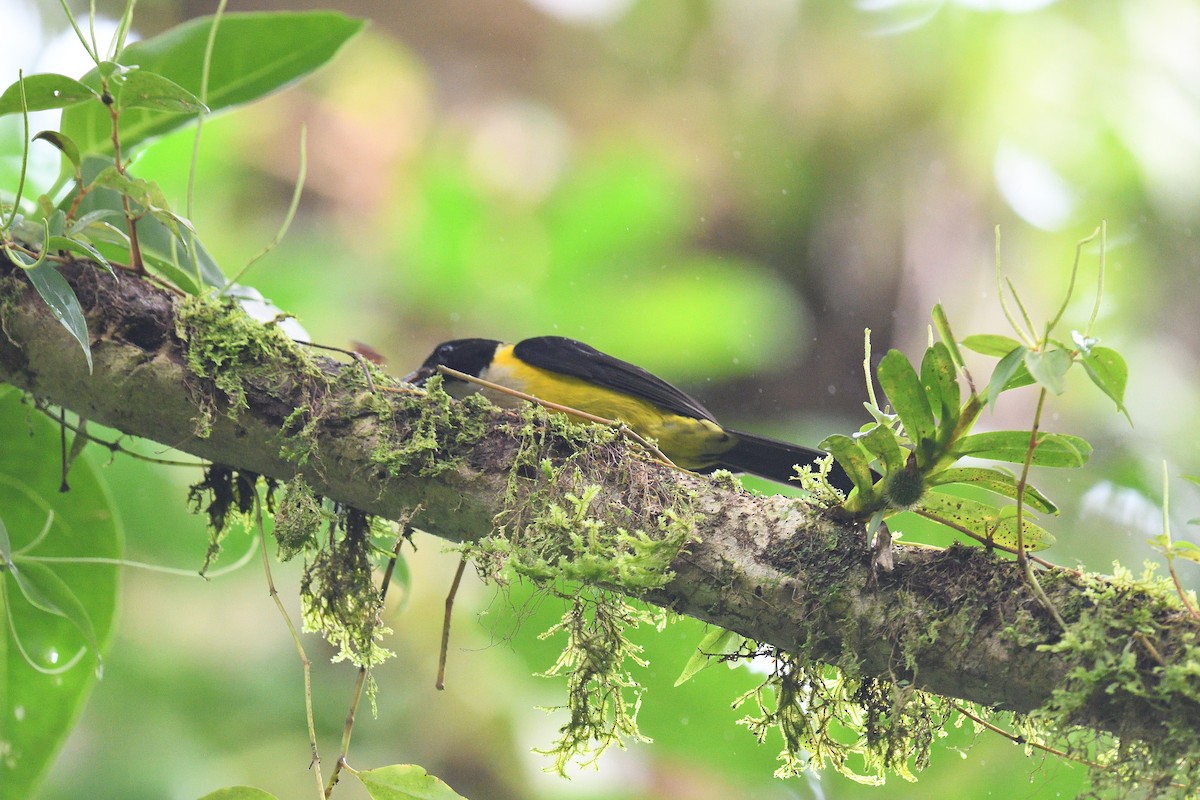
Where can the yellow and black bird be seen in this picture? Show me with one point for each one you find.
(570, 373)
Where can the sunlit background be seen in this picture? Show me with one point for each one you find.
(724, 191)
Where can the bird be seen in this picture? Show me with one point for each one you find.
(573, 374)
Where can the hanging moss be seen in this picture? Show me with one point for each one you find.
(560, 529)
(864, 728)
(298, 519)
(338, 594)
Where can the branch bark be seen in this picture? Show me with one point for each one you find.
(959, 622)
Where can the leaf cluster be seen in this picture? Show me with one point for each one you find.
(57, 565)
(99, 208)
(917, 440)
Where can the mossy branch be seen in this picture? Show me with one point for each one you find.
(960, 622)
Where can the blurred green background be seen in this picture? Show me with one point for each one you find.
(724, 192)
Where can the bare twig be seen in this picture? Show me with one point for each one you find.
(1022, 556)
(308, 706)
(441, 672)
(117, 447)
(358, 359)
(574, 412)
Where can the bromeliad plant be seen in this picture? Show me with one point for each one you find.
(919, 438)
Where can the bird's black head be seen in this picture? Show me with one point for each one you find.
(471, 356)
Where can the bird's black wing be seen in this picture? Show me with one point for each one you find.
(578, 360)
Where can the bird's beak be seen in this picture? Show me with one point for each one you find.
(418, 376)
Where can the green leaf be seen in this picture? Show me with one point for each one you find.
(405, 782)
(81, 224)
(942, 324)
(144, 89)
(166, 249)
(1020, 378)
(152, 235)
(1053, 449)
(1186, 550)
(5, 543)
(63, 303)
(40, 709)
(983, 522)
(907, 396)
(716, 643)
(1004, 373)
(991, 344)
(45, 590)
(239, 793)
(44, 92)
(847, 453)
(254, 54)
(146, 194)
(1189, 551)
(55, 224)
(63, 143)
(1049, 367)
(993, 480)
(940, 379)
(880, 441)
(1107, 370)
(56, 243)
(107, 69)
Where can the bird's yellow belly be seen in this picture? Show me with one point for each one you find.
(690, 443)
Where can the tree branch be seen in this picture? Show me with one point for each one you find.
(959, 622)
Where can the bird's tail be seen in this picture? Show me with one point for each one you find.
(776, 460)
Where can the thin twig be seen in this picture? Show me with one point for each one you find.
(1045, 748)
(1022, 558)
(347, 729)
(1187, 602)
(1071, 286)
(62, 445)
(1021, 740)
(867, 368)
(116, 447)
(358, 359)
(440, 684)
(1168, 547)
(135, 249)
(621, 426)
(1149, 647)
(308, 705)
(624, 429)
(287, 217)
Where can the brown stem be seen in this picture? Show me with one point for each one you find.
(1022, 557)
(135, 250)
(441, 671)
(307, 665)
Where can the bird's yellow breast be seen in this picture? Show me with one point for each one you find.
(691, 443)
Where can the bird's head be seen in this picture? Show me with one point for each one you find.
(471, 356)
